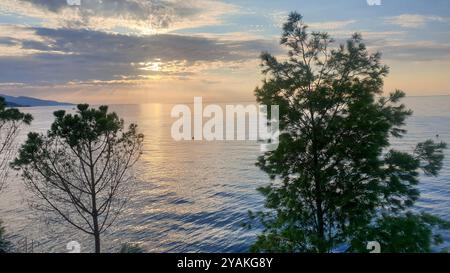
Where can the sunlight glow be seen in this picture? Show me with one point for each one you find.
(154, 66)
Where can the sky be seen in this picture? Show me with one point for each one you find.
(157, 51)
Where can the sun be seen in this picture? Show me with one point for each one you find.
(155, 67)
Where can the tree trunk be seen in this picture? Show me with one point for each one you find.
(318, 192)
(97, 242)
(321, 230)
(96, 228)
(94, 203)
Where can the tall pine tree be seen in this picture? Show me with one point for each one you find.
(337, 184)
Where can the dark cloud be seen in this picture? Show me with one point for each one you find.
(51, 5)
(155, 13)
(125, 48)
(8, 41)
(80, 55)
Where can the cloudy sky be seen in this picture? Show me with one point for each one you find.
(143, 51)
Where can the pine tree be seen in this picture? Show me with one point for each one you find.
(336, 183)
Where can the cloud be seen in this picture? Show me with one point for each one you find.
(141, 16)
(414, 20)
(280, 17)
(52, 5)
(331, 25)
(395, 46)
(64, 55)
(418, 51)
(10, 40)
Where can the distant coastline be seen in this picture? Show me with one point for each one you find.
(22, 101)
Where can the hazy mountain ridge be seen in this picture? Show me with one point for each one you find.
(30, 102)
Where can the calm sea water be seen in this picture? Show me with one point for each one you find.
(194, 196)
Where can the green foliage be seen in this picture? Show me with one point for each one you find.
(12, 114)
(407, 233)
(333, 173)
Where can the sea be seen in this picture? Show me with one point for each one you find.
(194, 196)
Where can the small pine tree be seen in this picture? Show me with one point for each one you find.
(80, 170)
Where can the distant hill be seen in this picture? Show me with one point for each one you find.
(30, 102)
(12, 104)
